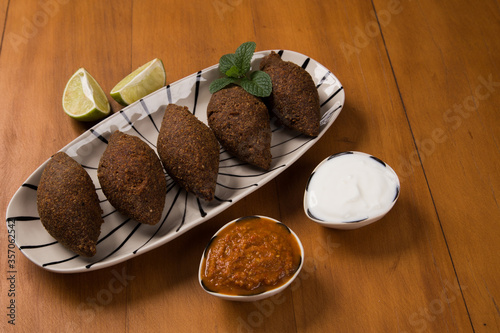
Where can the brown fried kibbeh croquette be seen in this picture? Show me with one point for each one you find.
(240, 122)
(189, 151)
(68, 205)
(294, 98)
(132, 178)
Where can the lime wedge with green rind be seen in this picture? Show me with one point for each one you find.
(141, 82)
(84, 99)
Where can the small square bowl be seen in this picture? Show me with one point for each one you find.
(244, 297)
(350, 190)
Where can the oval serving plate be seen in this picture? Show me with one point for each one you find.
(122, 238)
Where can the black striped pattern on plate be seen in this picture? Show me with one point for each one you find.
(122, 238)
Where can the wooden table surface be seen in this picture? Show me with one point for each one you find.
(422, 84)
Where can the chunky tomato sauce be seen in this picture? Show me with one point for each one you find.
(249, 257)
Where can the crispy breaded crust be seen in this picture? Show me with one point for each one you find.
(68, 205)
(294, 99)
(132, 178)
(240, 122)
(189, 151)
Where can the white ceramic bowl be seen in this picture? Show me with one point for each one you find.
(348, 183)
(253, 297)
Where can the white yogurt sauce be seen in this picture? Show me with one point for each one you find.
(351, 187)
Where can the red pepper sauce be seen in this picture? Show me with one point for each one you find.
(249, 257)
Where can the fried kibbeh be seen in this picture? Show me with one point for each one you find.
(240, 122)
(68, 205)
(132, 178)
(294, 98)
(189, 151)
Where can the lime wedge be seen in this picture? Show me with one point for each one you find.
(141, 82)
(83, 98)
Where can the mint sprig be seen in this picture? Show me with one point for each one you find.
(235, 67)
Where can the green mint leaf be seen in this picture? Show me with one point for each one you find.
(234, 72)
(235, 67)
(259, 84)
(218, 84)
(243, 56)
(226, 62)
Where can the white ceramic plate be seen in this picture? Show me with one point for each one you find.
(122, 238)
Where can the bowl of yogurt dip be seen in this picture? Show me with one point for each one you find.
(349, 190)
